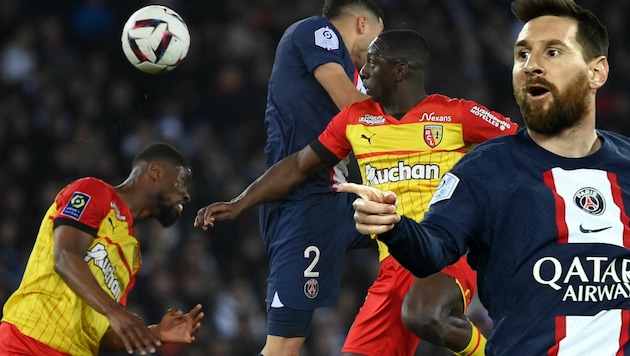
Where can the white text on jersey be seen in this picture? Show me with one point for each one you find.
(400, 173)
(101, 260)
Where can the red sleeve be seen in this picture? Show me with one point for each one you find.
(85, 201)
(334, 136)
(481, 124)
(465, 276)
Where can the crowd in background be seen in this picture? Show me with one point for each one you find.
(72, 106)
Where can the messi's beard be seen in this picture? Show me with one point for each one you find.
(565, 111)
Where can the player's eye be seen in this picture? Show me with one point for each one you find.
(553, 53)
(522, 54)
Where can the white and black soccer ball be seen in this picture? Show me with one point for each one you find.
(155, 39)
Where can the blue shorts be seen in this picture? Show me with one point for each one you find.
(307, 241)
(286, 322)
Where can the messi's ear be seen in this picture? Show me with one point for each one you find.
(598, 70)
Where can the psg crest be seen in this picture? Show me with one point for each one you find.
(311, 288)
(590, 200)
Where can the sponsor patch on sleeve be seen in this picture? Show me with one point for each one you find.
(445, 189)
(326, 38)
(76, 205)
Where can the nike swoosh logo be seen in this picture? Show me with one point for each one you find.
(589, 231)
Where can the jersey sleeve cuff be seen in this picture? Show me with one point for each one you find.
(69, 222)
(326, 156)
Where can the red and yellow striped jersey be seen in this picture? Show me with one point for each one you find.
(44, 307)
(410, 155)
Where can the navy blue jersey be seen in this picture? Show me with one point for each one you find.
(298, 107)
(548, 236)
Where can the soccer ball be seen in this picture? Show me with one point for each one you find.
(155, 39)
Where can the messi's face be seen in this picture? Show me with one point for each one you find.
(550, 75)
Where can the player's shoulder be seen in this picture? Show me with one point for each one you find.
(367, 104)
(312, 22)
(498, 149)
(93, 181)
(443, 104)
(360, 108)
(618, 141)
(506, 142)
(90, 184)
(310, 25)
(318, 31)
(441, 99)
(79, 193)
(469, 111)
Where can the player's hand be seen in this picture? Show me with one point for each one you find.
(375, 210)
(208, 215)
(179, 327)
(133, 332)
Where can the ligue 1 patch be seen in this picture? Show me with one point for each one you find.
(76, 205)
(445, 189)
(326, 38)
(311, 288)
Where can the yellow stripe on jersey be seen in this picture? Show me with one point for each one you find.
(407, 158)
(46, 309)
(403, 138)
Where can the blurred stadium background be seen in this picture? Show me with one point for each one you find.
(71, 106)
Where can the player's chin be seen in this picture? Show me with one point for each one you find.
(168, 216)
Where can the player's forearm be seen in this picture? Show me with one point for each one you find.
(333, 78)
(475, 346)
(457, 332)
(349, 97)
(276, 182)
(422, 249)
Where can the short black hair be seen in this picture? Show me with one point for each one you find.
(335, 8)
(591, 34)
(160, 151)
(404, 45)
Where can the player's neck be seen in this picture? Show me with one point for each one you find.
(403, 104)
(571, 143)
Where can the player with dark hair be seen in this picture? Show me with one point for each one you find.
(72, 297)
(542, 214)
(314, 75)
(404, 140)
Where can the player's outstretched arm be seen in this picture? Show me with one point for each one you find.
(375, 210)
(71, 245)
(272, 185)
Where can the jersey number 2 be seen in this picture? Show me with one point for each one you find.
(309, 271)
